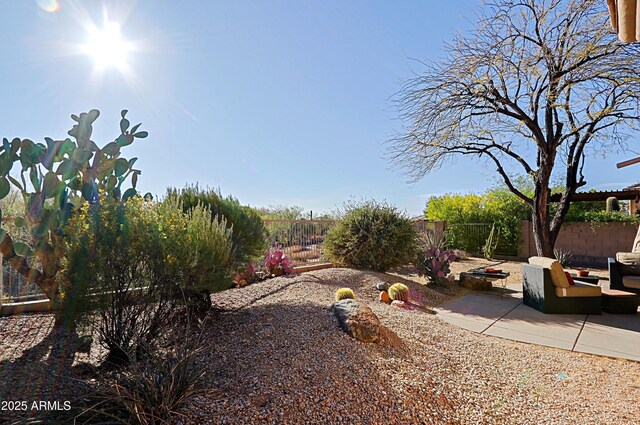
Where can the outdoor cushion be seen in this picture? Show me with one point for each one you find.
(580, 289)
(629, 262)
(557, 273)
(636, 242)
(631, 281)
(569, 278)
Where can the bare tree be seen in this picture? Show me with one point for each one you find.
(528, 89)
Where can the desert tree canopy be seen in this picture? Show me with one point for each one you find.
(528, 89)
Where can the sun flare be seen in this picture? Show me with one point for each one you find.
(107, 46)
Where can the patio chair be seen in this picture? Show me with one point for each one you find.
(624, 270)
(547, 289)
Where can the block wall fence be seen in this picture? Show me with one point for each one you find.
(590, 243)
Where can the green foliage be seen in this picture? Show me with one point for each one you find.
(116, 262)
(613, 216)
(371, 235)
(344, 294)
(280, 212)
(249, 233)
(497, 205)
(54, 178)
(399, 292)
(131, 264)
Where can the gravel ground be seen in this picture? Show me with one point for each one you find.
(283, 359)
(276, 355)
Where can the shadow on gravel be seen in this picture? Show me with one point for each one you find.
(41, 377)
(289, 361)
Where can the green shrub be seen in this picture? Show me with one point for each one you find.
(249, 238)
(345, 294)
(613, 216)
(132, 264)
(399, 292)
(496, 206)
(115, 264)
(373, 236)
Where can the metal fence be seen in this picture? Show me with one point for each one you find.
(14, 286)
(301, 240)
(472, 237)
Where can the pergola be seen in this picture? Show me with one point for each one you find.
(630, 193)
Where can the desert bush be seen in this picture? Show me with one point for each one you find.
(249, 238)
(152, 389)
(114, 261)
(399, 292)
(371, 235)
(345, 294)
(132, 264)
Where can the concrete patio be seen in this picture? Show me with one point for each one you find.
(502, 314)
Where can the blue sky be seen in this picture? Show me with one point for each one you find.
(275, 102)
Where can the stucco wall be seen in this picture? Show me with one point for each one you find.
(590, 243)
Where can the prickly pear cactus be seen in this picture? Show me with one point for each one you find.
(54, 178)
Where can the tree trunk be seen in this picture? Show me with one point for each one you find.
(543, 237)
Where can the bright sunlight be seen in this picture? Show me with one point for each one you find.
(107, 47)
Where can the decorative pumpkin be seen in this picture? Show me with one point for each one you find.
(384, 297)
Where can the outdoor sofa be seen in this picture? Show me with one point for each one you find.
(624, 270)
(546, 288)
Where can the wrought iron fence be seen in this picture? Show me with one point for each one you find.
(301, 240)
(472, 237)
(14, 287)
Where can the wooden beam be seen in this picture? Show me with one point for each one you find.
(622, 195)
(628, 162)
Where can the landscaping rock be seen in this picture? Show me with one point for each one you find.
(398, 303)
(382, 286)
(357, 320)
(472, 282)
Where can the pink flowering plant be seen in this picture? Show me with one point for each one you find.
(277, 264)
(435, 263)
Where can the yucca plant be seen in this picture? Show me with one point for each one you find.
(563, 257)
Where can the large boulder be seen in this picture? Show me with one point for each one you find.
(357, 320)
(470, 281)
